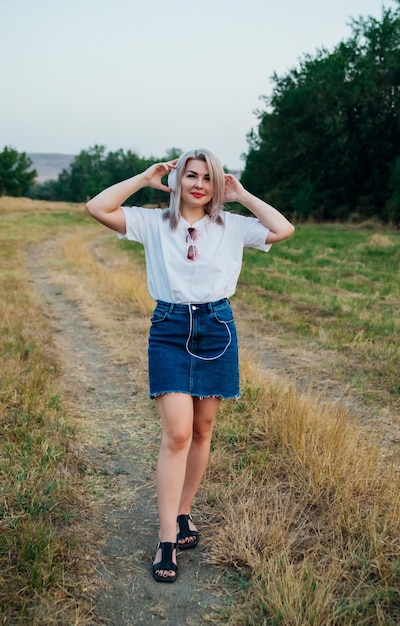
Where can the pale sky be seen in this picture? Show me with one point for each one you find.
(149, 75)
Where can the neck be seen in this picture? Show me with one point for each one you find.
(193, 215)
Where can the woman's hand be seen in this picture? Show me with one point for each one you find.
(233, 189)
(155, 172)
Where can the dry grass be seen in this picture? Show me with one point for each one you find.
(26, 206)
(42, 504)
(45, 499)
(308, 511)
(115, 277)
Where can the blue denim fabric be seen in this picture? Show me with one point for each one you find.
(194, 351)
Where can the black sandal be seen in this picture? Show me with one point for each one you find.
(184, 532)
(166, 563)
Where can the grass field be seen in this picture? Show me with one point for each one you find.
(308, 506)
(338, 288)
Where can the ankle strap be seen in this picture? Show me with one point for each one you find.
(166, 544)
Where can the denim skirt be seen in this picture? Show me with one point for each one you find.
(193, 349)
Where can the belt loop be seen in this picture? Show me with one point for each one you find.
(171, 307)
(210, 307)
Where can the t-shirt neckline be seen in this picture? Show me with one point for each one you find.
(195, 224)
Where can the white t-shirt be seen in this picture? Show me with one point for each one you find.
(171, 276)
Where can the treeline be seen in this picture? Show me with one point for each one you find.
(328, 142)
(95, 169)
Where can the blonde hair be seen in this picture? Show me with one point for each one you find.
(216, 171)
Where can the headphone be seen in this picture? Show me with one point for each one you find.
(172, 180)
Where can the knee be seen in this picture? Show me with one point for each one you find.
(177, 441)
(202, 432)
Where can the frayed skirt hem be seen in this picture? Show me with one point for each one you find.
(156, 394)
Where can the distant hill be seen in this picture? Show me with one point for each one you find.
(49, 166)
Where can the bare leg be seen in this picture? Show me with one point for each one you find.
(205, 411)
(176, 412)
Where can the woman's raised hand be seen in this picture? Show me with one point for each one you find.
(233, 189)
(155, 172)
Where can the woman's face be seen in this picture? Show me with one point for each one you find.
(196, 186)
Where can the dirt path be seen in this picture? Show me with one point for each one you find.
(119, 442)
(119, 445)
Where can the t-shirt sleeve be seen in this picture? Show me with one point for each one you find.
(136, 219)
(252, 232)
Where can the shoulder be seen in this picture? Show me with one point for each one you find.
(234, 219)
(142, 215)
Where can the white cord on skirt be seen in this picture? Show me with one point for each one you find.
(197, 356)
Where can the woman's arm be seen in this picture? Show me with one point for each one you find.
(106, 206)
(279, 227)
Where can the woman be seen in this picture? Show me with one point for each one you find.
(193, 259)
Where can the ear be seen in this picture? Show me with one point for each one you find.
(172, 180)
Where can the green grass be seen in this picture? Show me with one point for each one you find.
(336, 287)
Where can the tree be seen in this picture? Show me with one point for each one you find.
(15, 173)
(329, 140)
(85, 177)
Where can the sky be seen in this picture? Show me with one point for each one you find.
(151, 75)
